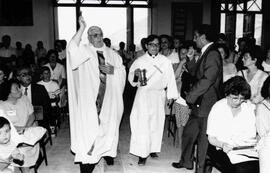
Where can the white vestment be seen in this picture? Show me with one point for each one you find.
(83, 86)
(148, 115)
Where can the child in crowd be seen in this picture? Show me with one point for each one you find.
(53, 90)
(9, 153)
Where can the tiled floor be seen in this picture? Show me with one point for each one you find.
(60, 159)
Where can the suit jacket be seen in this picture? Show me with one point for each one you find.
(208, 88)
(40, 97)
(188, 78)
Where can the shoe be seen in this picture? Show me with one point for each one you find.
(153, 155)
(179, 165)
(142, 161)
(109, 160)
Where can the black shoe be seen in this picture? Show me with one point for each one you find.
(142, 161)
(109, 160)
(153, 155)
(179, 165)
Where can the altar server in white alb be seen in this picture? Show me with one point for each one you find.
(153, 74)
(96, 81)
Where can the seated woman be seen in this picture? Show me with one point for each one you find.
(253, 75)
(229, 69)
(231, 126)
(17, 106)
(263, 127)
(18, 109)
(53, 90)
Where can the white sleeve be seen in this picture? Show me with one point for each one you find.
(63, 72)
(172, 92)
(77, 55)
(119, 72)
(132, 69)
(213, 122)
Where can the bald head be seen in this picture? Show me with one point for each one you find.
(95, 36)
(93, 30)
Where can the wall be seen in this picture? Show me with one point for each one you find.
(42, 29)
(162, 14)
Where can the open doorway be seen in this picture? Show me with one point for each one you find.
(185, 17)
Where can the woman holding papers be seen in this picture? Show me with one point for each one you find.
(231, 130)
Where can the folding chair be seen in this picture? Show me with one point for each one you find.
(42, 155)
(56, 114)
(38, 112)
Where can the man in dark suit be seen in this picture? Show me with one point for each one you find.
(202, 96)
(36, 93)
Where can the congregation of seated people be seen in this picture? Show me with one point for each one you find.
(28, 79)
(40, 77)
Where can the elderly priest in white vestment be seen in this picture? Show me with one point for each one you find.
(153, 74)
(96, 81)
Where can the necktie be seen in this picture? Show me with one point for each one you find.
(25, 91)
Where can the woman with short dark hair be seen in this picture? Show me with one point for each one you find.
(230, 126)
(253, 75)
(166, 48)
(229, 69)
(17, 106)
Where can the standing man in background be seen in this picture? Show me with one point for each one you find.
(96, 80)
(205, 92)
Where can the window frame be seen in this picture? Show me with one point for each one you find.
(231, 8)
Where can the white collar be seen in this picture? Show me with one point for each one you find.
(29, 86)
(152, 56)
(98, 49)
(205, 47)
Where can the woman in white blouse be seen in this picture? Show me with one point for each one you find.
(230, 126)
(18, 109)
(254, 76)
(17, 106)
(229, 69)
(167, 50)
